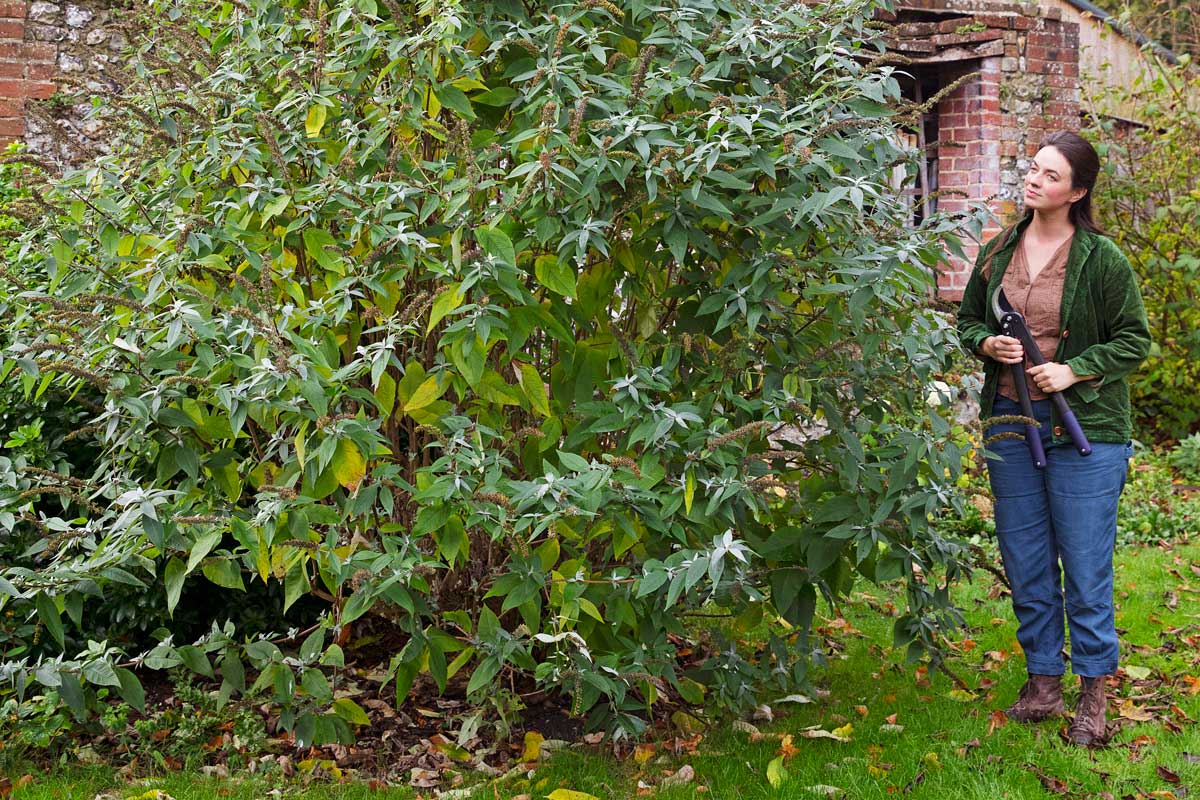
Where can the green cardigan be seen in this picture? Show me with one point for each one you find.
(1105, 332)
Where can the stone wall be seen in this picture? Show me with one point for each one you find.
(47, 43)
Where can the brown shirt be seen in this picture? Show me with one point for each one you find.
(1040, 302)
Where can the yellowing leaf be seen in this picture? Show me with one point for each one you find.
(350, 711)
(844, 732)
(425, 394)
(533, 746)
(348, 464)
(689, 491)
(568, 794)
(776, 772)
(443, 304)
(385, 394)
(643, 753)
(315, 120)
(534, 388)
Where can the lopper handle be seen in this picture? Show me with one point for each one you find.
(1072, 425)
(1032, 437)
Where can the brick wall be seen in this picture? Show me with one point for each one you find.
(990, 127)
(26, 69)
(969, 129)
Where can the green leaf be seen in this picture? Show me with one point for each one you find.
(500, 96)
(71, 691)
(350, 711)
(130, 689)
(100, 673)
(315, 120)
(318, 244)
(195, 659)
(174, 575)
(224, 573)
(495, 242)
(202, 547)
(483, 675)
(454, 98)
(48, 615)
(555, 276)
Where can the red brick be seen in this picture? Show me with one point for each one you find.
(12, 29)
(12, 9)
(40, 89)
(948, 121)
(40, 51)
(994, 20)
(11, 69)
(41, 71)
(12, 107)
(1022, 23)
(12, 127)
(12, 88)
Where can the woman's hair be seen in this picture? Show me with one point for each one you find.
(1085, 166)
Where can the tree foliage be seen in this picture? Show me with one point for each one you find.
(1152, 207)
(531, 332)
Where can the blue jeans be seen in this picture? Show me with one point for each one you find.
(1065, 513)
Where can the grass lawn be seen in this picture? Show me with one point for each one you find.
(911, 734)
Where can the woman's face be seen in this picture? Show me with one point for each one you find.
(1048, 182)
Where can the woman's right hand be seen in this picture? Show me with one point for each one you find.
(1005, 349)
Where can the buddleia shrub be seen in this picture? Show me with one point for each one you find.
(528, 331)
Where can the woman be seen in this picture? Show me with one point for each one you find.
(1081, 300)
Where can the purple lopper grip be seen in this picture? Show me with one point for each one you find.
(1072, 425)
(1034, 439)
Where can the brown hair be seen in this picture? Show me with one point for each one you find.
(1085, 166)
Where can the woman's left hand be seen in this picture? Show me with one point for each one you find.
(1052, 376)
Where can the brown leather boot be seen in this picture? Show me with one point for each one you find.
(1041, 698)
(1087, 729)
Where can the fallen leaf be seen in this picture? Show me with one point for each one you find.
(931, 760)
(844, 731)
(687, 723)
(776, 772)
(763, 714)
(533, 746)
(786, 748)
(1128, 710)
(685, 774)
(423, 778)
(997, 719)
(819, 733)
(967, 748)
(795, 698)
(888, 727)
(1191, 758)
(1166, 774)
(742, 726)
(862, 711)
(644, 752)
(961, 695)
(568, 794)
(1137, 673)
(891, 719)
(824, 790)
